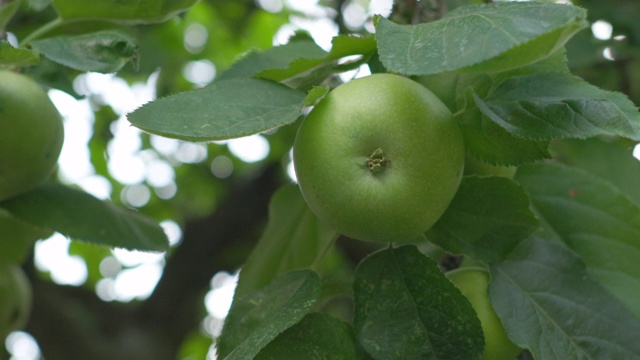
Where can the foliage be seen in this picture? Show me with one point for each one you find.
(527, 85)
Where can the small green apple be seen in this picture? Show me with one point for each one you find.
(15, 298)
(31, 134)
(379, 158)
(473, 282)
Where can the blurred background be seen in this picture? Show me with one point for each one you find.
(92, 302)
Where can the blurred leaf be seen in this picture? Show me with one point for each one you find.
(18, 237)
(608, 159)
(489, 142)
(484, 38)
(103, 51)
(130, 12)
(293, 239)
(552, 105)
(257, 318)
(277, 57)
(17, 56)
(341, 46)
(7, 10)
(487, 219)
(594, 219)
(225, 109)
(316, 94)
(405, 308)
(80, 216)
(549, 305)
(316, 337)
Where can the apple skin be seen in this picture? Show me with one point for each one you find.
(379, 158)
(15, 298)
(18, 237)
(31, 134)
(473, 282)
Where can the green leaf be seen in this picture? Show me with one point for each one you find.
(487, 219)
(594, 219)
(609, 159)
(224, 109)
(341, 46)
(315, 95)
(256, 319)
(492, 143)
(277, 57)
(80, 216)
(103, 51)
(17, 237)
(483, 38)
(551, 306)
(293, 239)
(7, 10)
(17, 56)
(552, 105)
(316, 337)
(130, 12)
(405, 308)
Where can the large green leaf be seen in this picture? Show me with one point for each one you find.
(490, 142)
(127, 11)
(609, 159)
(486, 220)
(594, 219)
(405, 308)
(294, 238)
(551, 306)
(485, 38)
(103, 51)
(256, 319)
(552, 105)
(224, 109)
(80, 216)
(316, 337)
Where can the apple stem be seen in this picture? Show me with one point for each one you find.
(377, 161)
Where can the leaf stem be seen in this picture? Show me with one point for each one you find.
(42, 30)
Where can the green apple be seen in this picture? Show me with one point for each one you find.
(473, 282)
(17, 237)
(31, 134)
(379, 158)
(15, 298)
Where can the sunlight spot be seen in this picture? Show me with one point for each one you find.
(163, 145)
(249, 148)
(160, 173)
(135, 195)
(221, 167)
(199, 73)
(166, 192)
(218, 299)
(191, 153)
(636, 151)
(132, 258)
(607, 53)
(110, 266)
(272, 6)
(354, 15)
(97, 186)
(195, 38)
(602, 30)
(52, 255)
(173, 231)
(137, 282)
(22, 346)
